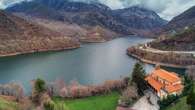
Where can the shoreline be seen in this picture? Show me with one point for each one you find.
(56, 49)
(37, 51)
(53, 50)
(155, 62)
(174, 59)
(61, 49)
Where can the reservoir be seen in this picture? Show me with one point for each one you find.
(91, 64)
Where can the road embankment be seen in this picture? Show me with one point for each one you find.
(164, 58)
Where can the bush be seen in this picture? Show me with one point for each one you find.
(188, 85)
(167, 101)
(39, 85)
(76, 90)
(49, 105)
(12, 89)
(129, 96)
(191, 96)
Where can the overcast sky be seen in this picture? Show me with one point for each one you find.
(167, 9)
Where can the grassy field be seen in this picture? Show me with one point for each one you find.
(103, 102)
(8, 105)
(180, 105)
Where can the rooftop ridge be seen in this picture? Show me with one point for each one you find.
(173, 74)
(166, 75)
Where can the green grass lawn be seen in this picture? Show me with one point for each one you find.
(180, 105)
(8, 105)
(103, 102)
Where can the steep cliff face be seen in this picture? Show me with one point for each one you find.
(139, 18)
(19, 36)
(124, 21)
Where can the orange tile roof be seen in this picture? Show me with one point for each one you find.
(165, 75)
(173, 88)
(155, 84)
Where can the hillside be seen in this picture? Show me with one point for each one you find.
(182, 41)
(87, 16)
(187, 18)
(139, 18)
(18, 36)
(179, 33)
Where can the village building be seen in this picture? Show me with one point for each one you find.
(164, 83)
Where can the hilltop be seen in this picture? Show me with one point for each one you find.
(86, 17)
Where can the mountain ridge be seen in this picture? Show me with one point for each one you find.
(90, 15)
(178, 34)
(185, 19)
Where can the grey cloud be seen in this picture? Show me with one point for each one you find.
(165, 8)
(5, 3)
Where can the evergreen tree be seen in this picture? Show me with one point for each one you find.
(191, 97)
(39, 85)
(38, 90)
(138, 72)
(138, 76)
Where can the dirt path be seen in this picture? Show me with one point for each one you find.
(146, 103)
(146, 48)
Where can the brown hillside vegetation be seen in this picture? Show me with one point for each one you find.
(19, 36)
(83, 34)
(170, 58)
(182, 41)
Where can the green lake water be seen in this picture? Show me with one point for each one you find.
(90, 64)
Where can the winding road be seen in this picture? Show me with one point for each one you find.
(149, 49)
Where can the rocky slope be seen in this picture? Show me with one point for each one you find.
(181, 21)
(89, 16)
(139, 18)
(18, 36)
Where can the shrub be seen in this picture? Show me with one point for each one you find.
(49, 105)
(76, 90)
(191, 96)
(188, 85)
(12, 89)
(167, 101)
(129, 96)
(39, 85)
(53, 106)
